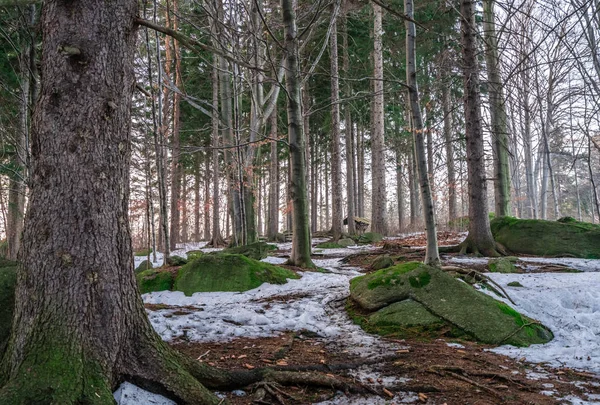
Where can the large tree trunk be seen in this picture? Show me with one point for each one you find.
(207, 198)
(273, 211)
(336, 166)
(90, 330)
(432, 256)
(348, 127)
(176, 168)
(378, 194)
(301, 248)
(216, 239)
(480, 239)
(499, 120)
(447, 110)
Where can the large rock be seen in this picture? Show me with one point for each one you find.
(256, 251)
(503, 265)
(8, 279)
(370, 237)
(345, 242)
(145, 265)
(548, 238)
(456, 303)
(227, 272)
(155, 280)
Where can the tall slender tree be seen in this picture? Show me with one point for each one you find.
(432, 256)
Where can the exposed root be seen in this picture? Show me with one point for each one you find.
(478, 277)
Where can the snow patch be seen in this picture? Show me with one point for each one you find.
(129, 394)
(567, 303)
(399, 398)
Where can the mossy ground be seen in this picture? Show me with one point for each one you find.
(548, 238)
(228, 272)
(459, 305)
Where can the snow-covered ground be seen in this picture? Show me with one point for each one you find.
(568, 303)
(314, 303)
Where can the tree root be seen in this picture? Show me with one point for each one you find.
(478, 276)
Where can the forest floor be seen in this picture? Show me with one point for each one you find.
(303, 323)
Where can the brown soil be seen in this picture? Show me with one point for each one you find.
(438, 373)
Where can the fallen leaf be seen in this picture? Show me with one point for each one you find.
(322, 361)
(281, 363)
(242, 356)
(388, 393)
(403, 351)
(267, 361)
(249, 366)
(422, 397)
(461, 351)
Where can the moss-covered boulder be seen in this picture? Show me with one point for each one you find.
(329, 245)
(256, 251)
(548, 238)
(345, 242)
(194, 254)
(463, 309)
(155, 280)
(176, 261)
(8, 279)
(145, 265)
(503, 265)
(227, 272)
(370, 237)
(382, 262)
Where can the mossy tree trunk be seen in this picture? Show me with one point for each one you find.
(79, 325)
(480, 239)
(498, 117)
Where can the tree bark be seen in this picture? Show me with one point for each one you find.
(480, 239)
(176, 168)
(336, 166)
(301, 247)
(207, 197)
(432, 256)
(499, 119)
(90, 330)
(446, 107)
(379, 197)
(348, 127)
(273, 217)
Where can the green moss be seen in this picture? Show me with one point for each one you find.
(382, 262)
(8, 279)
(154, 280)
(257, 251)
(54, 372)
(514, 284)
(145, 265)
(194, 254)
(420, 281)
(176, 261)
(502, 265)
(548, 238)
(329, 245)
(227, 272)
(462, 307)
(391, 275)
(143, 252)
(370, 237)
